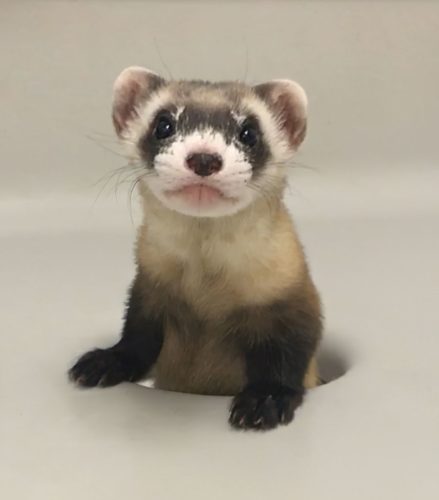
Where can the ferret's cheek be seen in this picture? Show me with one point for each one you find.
(236, 164)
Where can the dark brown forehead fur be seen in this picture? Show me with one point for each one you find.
(211, 94)
(208, 105)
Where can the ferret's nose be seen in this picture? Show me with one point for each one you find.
(204, 164)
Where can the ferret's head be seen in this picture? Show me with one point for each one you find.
(209, 149)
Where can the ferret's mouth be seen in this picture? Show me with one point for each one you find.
(199, 194)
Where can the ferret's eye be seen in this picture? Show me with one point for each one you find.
(165, 127)
(248, 135)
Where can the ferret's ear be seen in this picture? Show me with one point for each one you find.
(288, 102)
(131, 89)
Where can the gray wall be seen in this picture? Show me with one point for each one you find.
(371, 70)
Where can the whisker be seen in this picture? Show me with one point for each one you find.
(130, 197)
(104, 139)
(106, 148)
(246, 62)
(137, 180)
(108, 174)
(122, 180)
(295, 164)
(129, 169)
(103, 134)
(161, 58)
(108, 177)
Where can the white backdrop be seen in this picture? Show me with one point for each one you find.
(367, 208)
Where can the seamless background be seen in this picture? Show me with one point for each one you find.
(364, 196)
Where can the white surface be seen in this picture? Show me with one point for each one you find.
(368, 216)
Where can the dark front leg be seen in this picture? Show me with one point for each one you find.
(135, 353)
(277, 348)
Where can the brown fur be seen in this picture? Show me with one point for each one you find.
(222, 302)
(213, 269)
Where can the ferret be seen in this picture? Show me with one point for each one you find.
(222, 302)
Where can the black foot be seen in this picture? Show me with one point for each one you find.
(263, 407)
(105, 367)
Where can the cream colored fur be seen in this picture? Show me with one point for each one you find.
(251, 258)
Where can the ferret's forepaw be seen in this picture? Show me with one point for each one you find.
(264, 406)
(104, 368)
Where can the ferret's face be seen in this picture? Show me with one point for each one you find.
(209, 150)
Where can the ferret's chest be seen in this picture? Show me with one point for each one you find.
(218, 268)
(210, 280)
(211, 273)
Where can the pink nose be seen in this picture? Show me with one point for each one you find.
(204, 164)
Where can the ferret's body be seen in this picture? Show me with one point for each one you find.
(222, 302)
(208, 275)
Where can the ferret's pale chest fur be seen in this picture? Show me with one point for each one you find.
(250, 258)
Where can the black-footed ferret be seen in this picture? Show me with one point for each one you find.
(222, 302)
